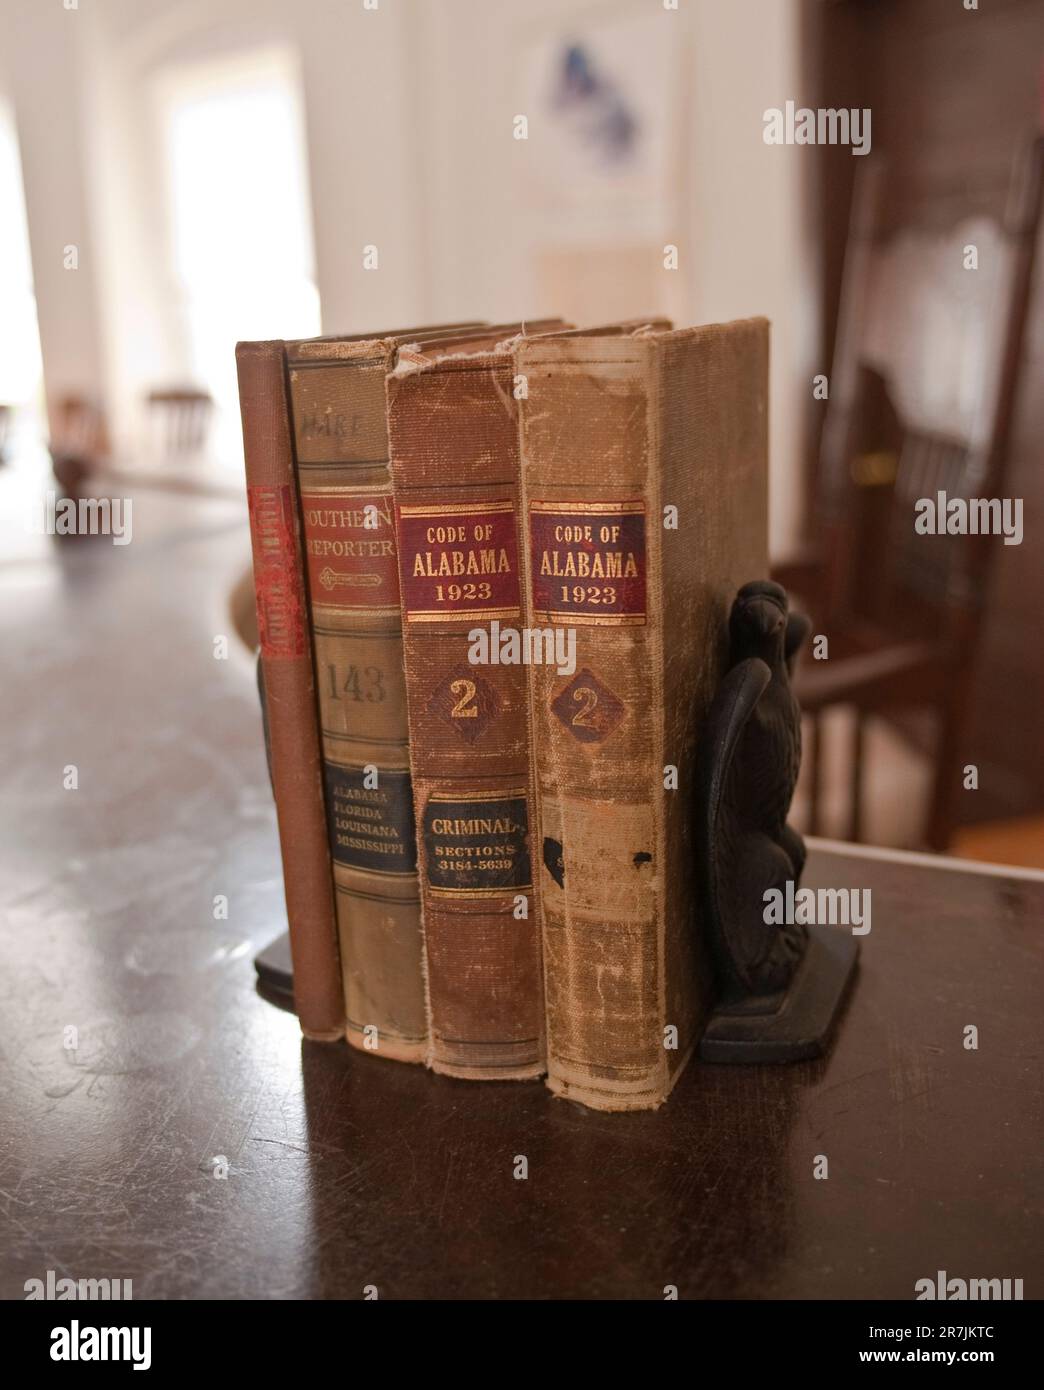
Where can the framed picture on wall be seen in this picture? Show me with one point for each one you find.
(602, 185)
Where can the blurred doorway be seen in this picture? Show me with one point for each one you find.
(21, 372)
(241, 246)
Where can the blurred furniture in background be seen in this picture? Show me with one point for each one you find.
(79, 442)
(902, 611)
(180, 419)
(243, 611)
(953, 93)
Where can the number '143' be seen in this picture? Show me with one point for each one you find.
(359, 683)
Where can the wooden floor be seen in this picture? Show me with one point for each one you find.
(896, 793)
(1004, 842)
(161, 1121)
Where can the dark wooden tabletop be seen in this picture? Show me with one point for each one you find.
(345, 1171)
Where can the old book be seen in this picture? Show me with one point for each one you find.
(289, 682)
(341, 455)
(453, 441)
(644, 487)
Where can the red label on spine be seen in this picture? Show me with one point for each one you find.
(588, 562)
(350, 546)
(278, 586)
(458, 562)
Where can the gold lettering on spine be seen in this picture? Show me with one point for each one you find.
(474, 827)
(580, 565)
(460, 562)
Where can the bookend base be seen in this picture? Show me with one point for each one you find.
(273, 966)
(272, 963)
(797, 1022)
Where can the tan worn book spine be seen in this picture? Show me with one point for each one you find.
(337, 393)
(644, 487)
(289, 681)
(453, 439)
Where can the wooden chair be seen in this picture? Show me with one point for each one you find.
(902, 611)
(79, 441)
(182, 420)
(78, 426)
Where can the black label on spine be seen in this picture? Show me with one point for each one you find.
(371, 828)
(477, 845)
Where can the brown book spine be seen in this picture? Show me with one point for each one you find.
(645, 494)
(453, 439)
(341, 442)
(286, 661)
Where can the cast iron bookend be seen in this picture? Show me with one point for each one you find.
(780, 987)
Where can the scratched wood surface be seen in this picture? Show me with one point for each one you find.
(346, 1171)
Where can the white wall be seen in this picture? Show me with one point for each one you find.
(753, 253)
(41, 70)
(743, 246)
(408, 114)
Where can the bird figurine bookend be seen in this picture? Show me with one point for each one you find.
(780, 986)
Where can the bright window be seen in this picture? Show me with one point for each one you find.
(21, 374)
(241, 235)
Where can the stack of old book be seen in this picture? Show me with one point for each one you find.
(493, 566)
